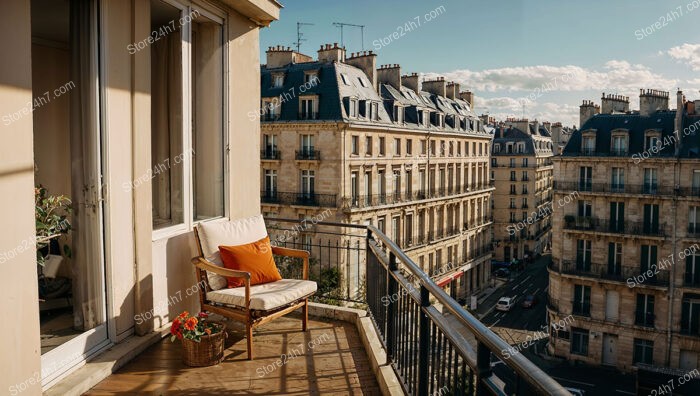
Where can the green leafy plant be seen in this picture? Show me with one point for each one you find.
(51, 213)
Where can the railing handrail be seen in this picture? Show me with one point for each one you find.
(520, 364)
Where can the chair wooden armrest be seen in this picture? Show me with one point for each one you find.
(302, 254)
(206, 265)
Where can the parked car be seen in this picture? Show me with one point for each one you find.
(576, 391)
(502, 273)
(505, 303)
(529, 301)
(496, 265)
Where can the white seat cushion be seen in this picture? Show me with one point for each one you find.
(266, 296)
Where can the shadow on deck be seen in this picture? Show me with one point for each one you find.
(328, 359)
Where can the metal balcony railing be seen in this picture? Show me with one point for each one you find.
(310, 154)
(615, 188)
(586, 223)
(610, 272)
(270, 154)
(308, 115)
(303, 199)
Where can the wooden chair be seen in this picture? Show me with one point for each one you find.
(253, 305)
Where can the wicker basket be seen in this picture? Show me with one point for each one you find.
(208, 352)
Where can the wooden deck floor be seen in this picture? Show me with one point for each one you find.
(329, 359)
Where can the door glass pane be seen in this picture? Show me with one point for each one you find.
(207, 118)
(166, 118)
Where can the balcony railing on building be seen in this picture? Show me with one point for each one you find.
(617, 273)
(427, 351)
(397, 197)
(270, 154)
(302, 199)
(308, 155)
(644, 318)
(581, 308)
(308, 115)
(594, 224)
(615, 188)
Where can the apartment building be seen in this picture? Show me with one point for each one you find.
(522, 170)
(367, 145)
(626, 263)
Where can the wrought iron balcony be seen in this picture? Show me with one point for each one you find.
(308, 155)
(613, 273)
(308, 115)
(303, 199)
(270, 154)
(588, 223)
(615, 188)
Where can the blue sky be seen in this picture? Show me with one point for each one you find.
(546, 54)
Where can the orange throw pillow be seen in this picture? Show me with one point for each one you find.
(255, 258)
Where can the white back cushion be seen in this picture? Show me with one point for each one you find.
(227, 233)
(230, 233)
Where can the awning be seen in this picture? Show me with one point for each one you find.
(449, 278)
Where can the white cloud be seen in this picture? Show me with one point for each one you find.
(503, 107)
(688, 54)
(617, 75)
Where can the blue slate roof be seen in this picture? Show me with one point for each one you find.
(332, 90)
(637, 125)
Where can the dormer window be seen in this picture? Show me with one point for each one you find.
(398, 114)
(277, 80)
(521, 148)
(308, 108)
(497, 148)
(311, 79)
(652, 141)
(375, 111)
(588, 143)
(352, 108)
(618, 145)
(363, 82)
(345, 79)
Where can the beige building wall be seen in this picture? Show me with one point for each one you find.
(142, 272)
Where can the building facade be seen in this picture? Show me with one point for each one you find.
(365, 145)
(521, 163)
(626, 266)
(127, 108)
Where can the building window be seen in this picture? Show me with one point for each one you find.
(588, 145)
(270, 183)
(190, 186)
(617, 180)
(396, 229)
(651, 219)
(277, 80)
(398, 114)
(619, 145)
(614, 258)
(432, 148)
(585, 208)
(512, 176)
(306, 146)
(652, 142)
(345, 78)
(512, 163)
(582, 300)
(694, 220)
(368, 188)
(397, 146)
(643, 351)
(692, 270)
(409, 146)
(354, 188)
(524, 188)
(382, 146)
(353, 108)
(421, 183)
(650, 181)
(408, 230)
(270, 146)
(579, 341)
(583, 255)
(648, 259)
(525, 177)
(381, 224)
(644, 316)
(397, 185)
(368, 145)
(696, 183)
(424, 147)
(307, 183)
(311, 79)
(585, 181)
(307, 110)
(524, 162)
(374, 116)
(690, 314)
(617, 217)
(355, 145)
(381, 184)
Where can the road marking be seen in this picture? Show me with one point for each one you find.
(524, 280)
(536, 290)
(494, 323)
(546, 288)
(625, 392)
(575, 382)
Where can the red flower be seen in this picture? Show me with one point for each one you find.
(191, 324)
(208, 331)
(183, 315)
(203, 315)
(176, 329)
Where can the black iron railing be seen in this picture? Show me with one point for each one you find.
(397, 197)
(308, 155)
(589, 223)
(427, 351)
(302, 199)
(270, 154)
(614, 272)
(614, 188)
(308, 115)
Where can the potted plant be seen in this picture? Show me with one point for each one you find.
(202, 340)
(51, 212)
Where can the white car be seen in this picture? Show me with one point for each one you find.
(505, 304)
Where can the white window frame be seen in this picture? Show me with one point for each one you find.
(217, 16)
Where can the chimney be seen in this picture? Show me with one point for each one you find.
(391, 75)
(612, 103)
(523, 124)
(555, 130)
(436, 87)
(453, 90)
(412, 82)
(367, 62)
(468, 97)
(652, 100)
(279, 56)
(587, 110)
(333, 53)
